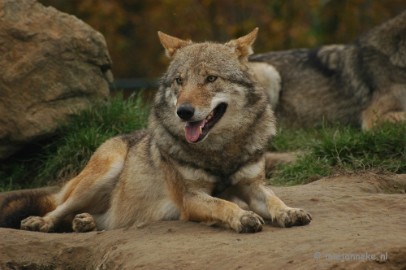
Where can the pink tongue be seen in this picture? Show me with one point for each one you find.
(193, 130)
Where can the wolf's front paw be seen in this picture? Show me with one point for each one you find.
(38, 224)
(249, 222)
(289, 217)
(83, 223)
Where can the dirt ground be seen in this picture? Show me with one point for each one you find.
(359, 222)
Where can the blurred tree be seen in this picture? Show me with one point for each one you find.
(130, 26)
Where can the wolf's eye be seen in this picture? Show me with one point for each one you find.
(211, 78)
(179, 80)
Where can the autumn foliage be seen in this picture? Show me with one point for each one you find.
(130, 26)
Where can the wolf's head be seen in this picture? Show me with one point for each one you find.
(208, 88)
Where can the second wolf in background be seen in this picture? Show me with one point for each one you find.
(360, 84)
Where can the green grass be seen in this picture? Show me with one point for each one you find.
(325, 150)
(65, 154)
(329, 150)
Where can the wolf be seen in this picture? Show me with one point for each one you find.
(202, 157)
(360, 84)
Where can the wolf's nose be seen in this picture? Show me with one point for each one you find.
(185, 111)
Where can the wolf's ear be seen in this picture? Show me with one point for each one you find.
(172, 44)
(243, 45)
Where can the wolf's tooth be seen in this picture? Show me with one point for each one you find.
(210, 116)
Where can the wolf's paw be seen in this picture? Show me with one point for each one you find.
(289, 217)
(38, 224)
(83, 223)
(249, 222)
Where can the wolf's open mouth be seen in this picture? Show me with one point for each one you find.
(196, 131)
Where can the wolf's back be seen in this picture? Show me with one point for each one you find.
(17, 205)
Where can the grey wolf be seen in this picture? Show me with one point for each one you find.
(361, 84)
(202, 157)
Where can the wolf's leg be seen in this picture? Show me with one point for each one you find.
(264, 202)
(87, 192)
(274, 159)
(392, 117)
(199, 206)
(385, 107)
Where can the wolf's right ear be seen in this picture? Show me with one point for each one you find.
(243, 45)
(172, 44)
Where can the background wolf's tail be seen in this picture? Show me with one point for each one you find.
(17, 205)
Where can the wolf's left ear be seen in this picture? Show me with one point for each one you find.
(243, 45)
(172, 44)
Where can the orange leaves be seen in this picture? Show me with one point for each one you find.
(130, 26)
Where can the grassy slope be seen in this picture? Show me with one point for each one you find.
(331, 149)
(64, 155)
(325, 150)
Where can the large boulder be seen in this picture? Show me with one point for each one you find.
(52, 65)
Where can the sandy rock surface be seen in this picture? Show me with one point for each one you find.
(359, 223)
